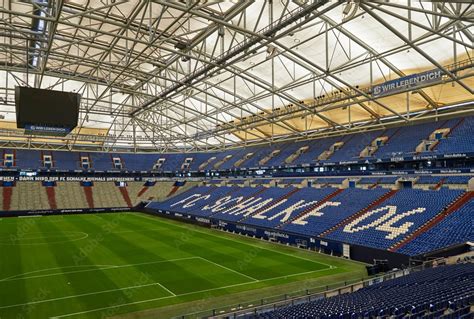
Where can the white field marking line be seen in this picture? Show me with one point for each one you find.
(93, 233)
(96, 269)
(229, 239)
(55, 268)
(84, 236)
(167, 290)
(180, 295)
(42, 237)
(232, 270)
(172, 294)
(80, 295)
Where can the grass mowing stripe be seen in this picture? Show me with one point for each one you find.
(161, 285)
(211, 267)
(159, 219)
(81, 295)
(97, 269)
(65, 254)
(181, 295)
(55, 268)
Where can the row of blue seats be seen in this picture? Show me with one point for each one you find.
(310, 211)
(456, 228)
(395, 218)
(402, 141)
(442, 292)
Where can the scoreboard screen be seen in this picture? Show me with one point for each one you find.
(46, 110)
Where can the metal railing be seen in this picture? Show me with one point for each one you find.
(262, 305)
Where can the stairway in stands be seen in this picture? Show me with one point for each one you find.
(451, 208)
(173, 191)
(126, 196)
(349, 219)
(450, 132)
(311, 207)
(375, 184)
(388, 139)
(142, 191)
(89, 196)
(7, 197)
(274, 202)
(439, 184)
(51, 193)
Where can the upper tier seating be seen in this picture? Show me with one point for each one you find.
(261, 182)
(460, 139)
(138, 162)
(66, 160)
(384, 225)
(458, 179)
(315, 149)
(353, 145)
(290, 182)
(260, 152)
(329, 180)
(405, 140)
(429, 179)
(402, 141)
(442, 292)
(286, 149)
(28, 159)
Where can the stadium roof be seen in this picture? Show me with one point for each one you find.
(164, 75)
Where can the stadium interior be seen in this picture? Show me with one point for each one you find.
(236, 159)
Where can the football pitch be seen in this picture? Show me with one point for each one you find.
(108, 265)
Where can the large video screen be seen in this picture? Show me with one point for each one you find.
(46, 107)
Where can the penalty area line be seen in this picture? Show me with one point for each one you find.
(182, 295)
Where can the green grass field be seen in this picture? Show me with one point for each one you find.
(107, 265)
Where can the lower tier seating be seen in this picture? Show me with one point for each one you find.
(64, 198)
(29, 195)
(26, 195)
(454, 229)
(442, 292)
(395, 218)
(412, 221)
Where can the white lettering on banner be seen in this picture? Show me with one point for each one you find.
(288, 211)
(251, 209)
(314, 212)
(350, 228)
(242, 205)
(410, 81)
(385, 222)
(395, 231)
(192, 202)
(226, 205)
(261, 215)
(186, 199)
(221, 203)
